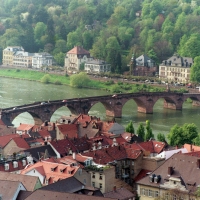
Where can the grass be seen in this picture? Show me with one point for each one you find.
(109, 85)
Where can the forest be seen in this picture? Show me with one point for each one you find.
(111, 30)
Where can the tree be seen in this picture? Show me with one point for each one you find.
(161, 137)
(60, 58)
(141, 131)
(195, 70)
(79, 80)
(39, 31)
(149, 133)
(130, 128)
(180, 135)
(196, 141)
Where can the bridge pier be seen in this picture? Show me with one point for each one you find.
(147, 110)
(171, 105)
(196, 103)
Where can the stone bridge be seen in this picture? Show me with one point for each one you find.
(113, 104)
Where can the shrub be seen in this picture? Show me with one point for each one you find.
(79, 80)
(116, 89)
(17, 70)
(46, 78)
(57, 82)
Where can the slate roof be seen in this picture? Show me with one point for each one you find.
(180, 60)
(49, 195)
(186, 167)
(120, 194)
(40, 152)
(78, 51)
(28, 181)
(116, 129)
(70, 185)
(5, 130)
(97, 62)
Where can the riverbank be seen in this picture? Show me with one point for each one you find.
(100, 84)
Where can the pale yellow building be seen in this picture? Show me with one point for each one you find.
(176, 69)
(22, 59)
(8, 54)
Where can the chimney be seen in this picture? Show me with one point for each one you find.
(114, 189)
(74, 155)
(198, 163)
(170, 171)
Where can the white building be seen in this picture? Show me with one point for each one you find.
(75, 57)
(176, 69)
(97, 66)
(42, 59)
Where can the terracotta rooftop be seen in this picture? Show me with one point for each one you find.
(6, 138)
(52, 171)
(69, 130)
(78, 51)
(21, 143)
(191, 147)
(24, 127)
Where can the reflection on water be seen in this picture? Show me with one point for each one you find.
(15, 92)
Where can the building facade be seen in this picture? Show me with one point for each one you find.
(75, 57)
(144, 66)
(97, 66)
(22, 59)
(42, 59)
(8, 54)
(176, 69)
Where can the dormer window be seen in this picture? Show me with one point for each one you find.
(15, 164)
(6, 166)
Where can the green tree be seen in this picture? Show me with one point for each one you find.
(141, 131)
(149, 133)
(196, 140)
(130, 128)
(79, 80)
(195, 70)
(39, 31)
(180, 135)
(161, 137)
(60, 58)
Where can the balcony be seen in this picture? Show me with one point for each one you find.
(125, 175)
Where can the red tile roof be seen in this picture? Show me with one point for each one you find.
(24, 127)
(21, 143)
(52, 171)
(6, 138)
(78, 51)
(191, 147)
(69, 130)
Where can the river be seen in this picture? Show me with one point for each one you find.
(14, 92)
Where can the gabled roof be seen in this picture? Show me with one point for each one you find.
(182, 166)
(52, 195)
(24, 127)
(21, 143)
(28, 181)
(69, 130)
(9, 189)
(116, 129)
(4, 140)
(70, 185)
(40, 152)
(52, 171)
(5, 130)
(78, 51)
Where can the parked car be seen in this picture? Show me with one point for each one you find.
(43, 103)
(64, 100)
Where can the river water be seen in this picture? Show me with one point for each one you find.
(14, 92)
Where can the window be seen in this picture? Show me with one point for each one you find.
(100, 176)
(151, 193)
(93, 184)
(100, 186)
(93, 176)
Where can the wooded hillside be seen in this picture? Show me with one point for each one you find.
(110, 29)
